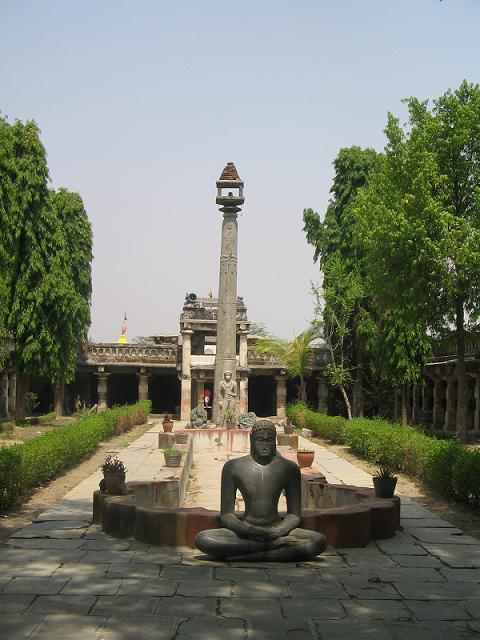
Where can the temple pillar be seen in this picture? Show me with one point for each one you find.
(415, 405)
(243, 385)
(322, 406)
(143, 384)
(438, 413)
(476, 414)
(451, 406)
(281, 397)
(186, 384)
(102, 389)
(243, 350)
(426, 417)
(4, 395)
(199, 389)
(12, 394)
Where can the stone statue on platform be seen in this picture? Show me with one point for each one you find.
(261, 534)
(227, 399)
(198, 417)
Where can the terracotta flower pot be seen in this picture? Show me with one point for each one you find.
(167, 426)
(114, 483)
(384, 487)
(305, 458)
(283, 439)
(172, 459)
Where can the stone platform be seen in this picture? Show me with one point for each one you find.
(62, 578)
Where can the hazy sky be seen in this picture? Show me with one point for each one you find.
(141, 104)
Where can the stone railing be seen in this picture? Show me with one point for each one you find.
(113, 352)
(319, 359)
(472, 346)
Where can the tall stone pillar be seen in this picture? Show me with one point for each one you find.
(426, 412)
(143, 384)
(186, 388)
(243, 385)
(438, 413)
(451, 405)
(226, 359)
(199, 389)
(102, 388)
(12, 394)
(243, 351)
(4, 395)
(476, 414)
(322, 392)
(281, 397)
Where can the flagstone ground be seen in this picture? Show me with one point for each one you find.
(61, 577)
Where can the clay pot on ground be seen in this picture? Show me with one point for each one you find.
(288, 427)
(172, 458)
(114, 483)
(305, 458)
(181, 437)
(283, 439)
(167, 425)
(384, 487)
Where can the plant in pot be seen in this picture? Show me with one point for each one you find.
(181, 437)
(113, 476)
(283, 439)
(288, 427)
(173, 457)
(305, 457)
(167, 423)
(230, 418)
(384, 482)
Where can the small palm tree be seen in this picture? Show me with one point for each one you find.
(295, 356)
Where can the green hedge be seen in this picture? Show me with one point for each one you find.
(27, 465)
(443, 465)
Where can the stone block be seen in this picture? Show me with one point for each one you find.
(147, 587)
(14, 603)
(187, 607)
(62, 604)
(35, 586)
(137, 628)
(439, 610)
(125, 606)
(376, 609)
(206, 628)
(83, 585)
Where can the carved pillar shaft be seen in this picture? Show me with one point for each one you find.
(451, 405)
(243, 386)
(4, 395)
(102, 388)
(438, 414)
(322, 406)
(12, 394)
(476, 415)
(143, 385)
(186, 388)
(281, 397)
(243, 350)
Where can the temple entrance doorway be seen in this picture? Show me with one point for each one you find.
(262, 396)
(164, 392)
(122, 389)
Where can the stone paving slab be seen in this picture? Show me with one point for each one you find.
(63, 578)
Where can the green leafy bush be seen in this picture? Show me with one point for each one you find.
(445, 466)
(40, 459)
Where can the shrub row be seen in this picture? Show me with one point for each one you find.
(27, 465)
(443, 465)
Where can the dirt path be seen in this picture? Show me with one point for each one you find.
(45, 496)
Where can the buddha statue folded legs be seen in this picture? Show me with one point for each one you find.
(261, 534)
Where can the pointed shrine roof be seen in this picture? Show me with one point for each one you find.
(230, 173)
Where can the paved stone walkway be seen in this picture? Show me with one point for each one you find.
(62, 578)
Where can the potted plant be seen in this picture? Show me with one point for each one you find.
(181, 437)
(384, 482)
(230, 418)
(114, 476)
(288, 427)
(173, 457)
(167, 423)
(305, 457)
(283, 439)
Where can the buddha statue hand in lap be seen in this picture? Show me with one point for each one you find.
(261, 534)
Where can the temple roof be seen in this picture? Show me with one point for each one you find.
(230, 173)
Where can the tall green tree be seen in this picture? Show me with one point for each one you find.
(340, 258)
(419, 220)
(295, 356)
(46, 245)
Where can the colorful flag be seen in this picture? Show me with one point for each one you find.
(124, 326)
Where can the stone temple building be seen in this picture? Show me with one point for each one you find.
(173, 371)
